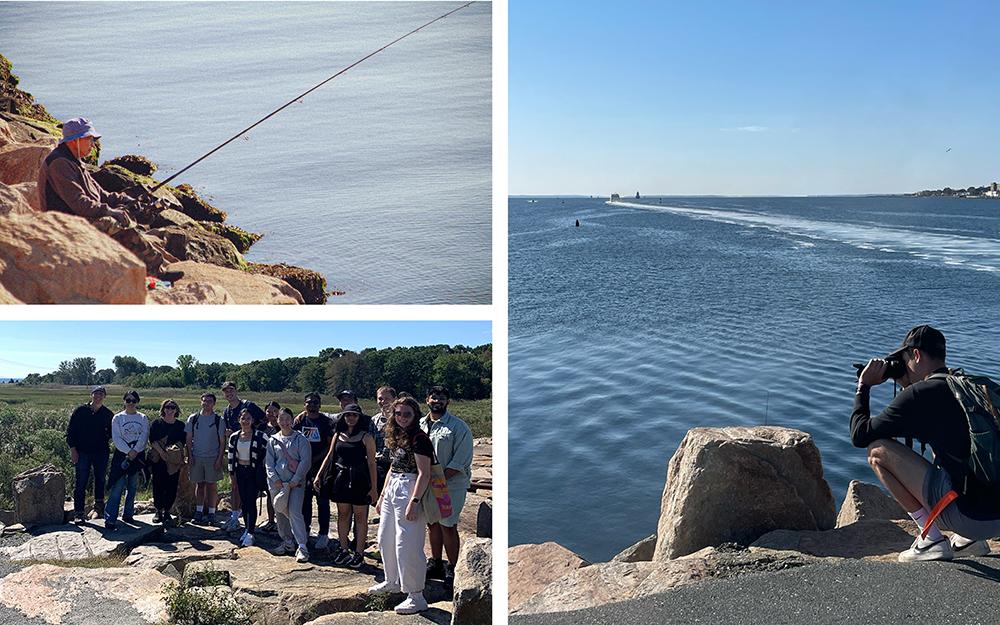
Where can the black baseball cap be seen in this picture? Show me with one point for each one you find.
(353, 408)
(347, 392)
(99, 389)
(926, 339)
(314, 395)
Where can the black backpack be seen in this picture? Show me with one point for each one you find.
(194, 420)
(979, 397)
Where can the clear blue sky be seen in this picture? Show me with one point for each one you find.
(753, 98)
(39, 346)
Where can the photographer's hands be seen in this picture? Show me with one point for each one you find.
(874, 372)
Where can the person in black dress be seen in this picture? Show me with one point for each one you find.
(167, 440)
(350, 481)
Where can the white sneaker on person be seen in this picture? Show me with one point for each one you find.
(964, 548)
(301, 555)
(413, 603)
(247, 540)
(385, 587)
(927, 549)
(322, 542)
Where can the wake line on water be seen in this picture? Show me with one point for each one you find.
(979, 254)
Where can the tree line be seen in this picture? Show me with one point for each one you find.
(466, 371)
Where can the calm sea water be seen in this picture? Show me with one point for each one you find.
(671, 313)
(380, 180)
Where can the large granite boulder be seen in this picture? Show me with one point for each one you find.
(473, 596)
(12, 200)
(243, 287)
(642, 551)
(868, 501)
(530, 568)
(484, 520)
(874, 539)
(54, 258)
(174, 556)
(200, 245)
(190, 293)
(55, 595)
(735, 484)
(20, 162)
(38, 496)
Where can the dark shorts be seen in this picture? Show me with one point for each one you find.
(937, 483)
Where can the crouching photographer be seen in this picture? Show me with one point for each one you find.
(960, 490)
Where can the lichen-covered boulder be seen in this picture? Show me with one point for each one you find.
(310, 284)
(197, 244)
(195, 207)
(236, 235)
(135, 164)
(735, 484)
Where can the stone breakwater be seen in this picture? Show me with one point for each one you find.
(737, 501)
(53, 258)
(65, 574)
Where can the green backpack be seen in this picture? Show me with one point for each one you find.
(979, 397)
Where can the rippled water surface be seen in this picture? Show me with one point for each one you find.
(670, 313)
(380, 180)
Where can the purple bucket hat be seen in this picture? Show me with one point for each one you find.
(77, 128)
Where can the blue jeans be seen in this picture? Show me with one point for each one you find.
(99, 463)
(115, 497)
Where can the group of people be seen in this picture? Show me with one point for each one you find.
(350, 458)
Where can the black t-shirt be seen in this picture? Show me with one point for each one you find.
(173, 431)
(404, 460)
(927, 411)
(231, 415)
(318, 432)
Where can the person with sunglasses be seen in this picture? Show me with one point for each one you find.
(351, 481)
(167, 445)
(402, 521)
(130, 433)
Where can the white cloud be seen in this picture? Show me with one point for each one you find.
(746, 129)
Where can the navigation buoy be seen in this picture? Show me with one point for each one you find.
(577, 223)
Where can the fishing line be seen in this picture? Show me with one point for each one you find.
(302, 95)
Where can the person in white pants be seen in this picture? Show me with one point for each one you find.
(401, 527)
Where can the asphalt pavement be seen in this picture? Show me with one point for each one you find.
(963, 592)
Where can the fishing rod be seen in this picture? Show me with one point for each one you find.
(302, 95)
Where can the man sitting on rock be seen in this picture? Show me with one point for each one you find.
(66, 186)
(925, 410)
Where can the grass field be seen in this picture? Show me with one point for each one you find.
(33, 421)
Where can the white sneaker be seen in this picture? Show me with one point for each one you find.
(927, 549)
(413, 603)
(301, 555)
(322, 542)
(247, 540)
(385, 587)
(964, 548)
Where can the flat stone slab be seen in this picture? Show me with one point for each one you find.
(162, 556)
(72, 542)
(297, 593)
(68, 596)
(437, 613)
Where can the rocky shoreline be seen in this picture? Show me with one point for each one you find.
(63, 574)
(57, 258)
(737, 501)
